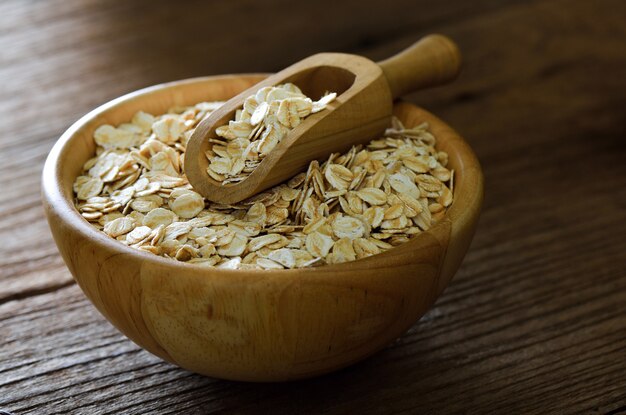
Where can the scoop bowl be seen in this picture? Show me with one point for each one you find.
(360, 113)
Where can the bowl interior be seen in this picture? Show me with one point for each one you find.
(77, 146)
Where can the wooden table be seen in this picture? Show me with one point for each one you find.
(535, 320)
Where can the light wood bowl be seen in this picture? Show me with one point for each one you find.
(255, 325)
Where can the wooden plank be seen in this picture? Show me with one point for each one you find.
(461, 346)
(534, 321)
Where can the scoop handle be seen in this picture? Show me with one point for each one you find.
(431, 61)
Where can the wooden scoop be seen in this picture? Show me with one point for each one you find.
(361, 112)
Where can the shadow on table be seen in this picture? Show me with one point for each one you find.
(384, 382)
(364, 382)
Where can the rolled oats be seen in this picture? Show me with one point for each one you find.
(351, 206)
(258, 127)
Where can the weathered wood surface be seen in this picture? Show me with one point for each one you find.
(535, 320)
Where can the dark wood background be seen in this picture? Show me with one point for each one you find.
(534, 321)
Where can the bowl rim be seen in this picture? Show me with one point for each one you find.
(53, 195)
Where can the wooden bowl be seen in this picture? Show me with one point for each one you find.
(270, 325)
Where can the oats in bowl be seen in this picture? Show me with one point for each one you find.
(351, 206)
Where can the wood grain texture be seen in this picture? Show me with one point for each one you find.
(534, 322)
